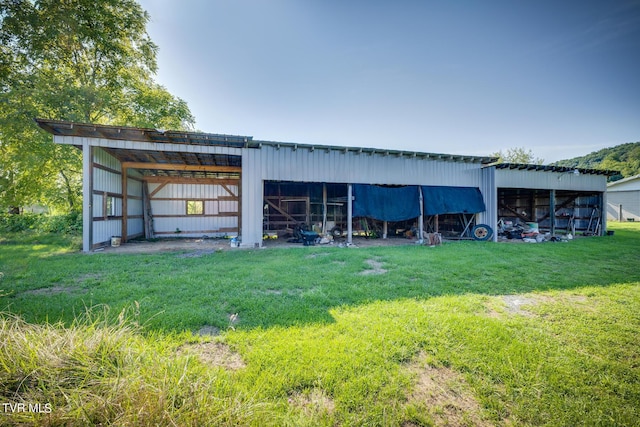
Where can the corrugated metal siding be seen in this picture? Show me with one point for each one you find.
(195, 226)
(150, 146)
(320, 165)
(103, 158)
(192, 191)
(109, 182)
(104, 230)
(134, 187)
(331, 166)
(630, 201)
(511, 178)
(252, 197)
(631, 185)
(135, 227)
(490, 195)
(104, 180)
(168, 214)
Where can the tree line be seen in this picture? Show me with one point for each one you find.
(78, 60)
(624, 158)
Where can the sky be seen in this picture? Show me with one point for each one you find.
(559, 78)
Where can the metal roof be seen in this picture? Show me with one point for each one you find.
(90, 130)
(67, 128)
(549, 168)
(620, 181)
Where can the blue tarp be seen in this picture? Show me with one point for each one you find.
(403, 203)
(386, 203)
(452, 200)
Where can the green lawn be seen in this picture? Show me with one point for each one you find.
(468, 333)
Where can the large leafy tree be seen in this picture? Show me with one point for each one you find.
(80, 60)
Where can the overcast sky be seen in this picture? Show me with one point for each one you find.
(560, 77)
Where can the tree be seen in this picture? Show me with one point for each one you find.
(518, 155)
(76, 60)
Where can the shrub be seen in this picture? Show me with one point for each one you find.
(70, 223)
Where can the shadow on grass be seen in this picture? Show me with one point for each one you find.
(283, 287)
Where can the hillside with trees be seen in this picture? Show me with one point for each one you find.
(624, 158)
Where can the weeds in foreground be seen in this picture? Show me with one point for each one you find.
(95, 372)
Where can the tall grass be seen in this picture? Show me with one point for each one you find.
(97, 372)
(464, 334)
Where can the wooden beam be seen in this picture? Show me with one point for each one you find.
(180, 167)
(282, 212)
(224, 185)
(205, 199)
(157, 189)
(125, 194)
(515, 212)
(186, 180)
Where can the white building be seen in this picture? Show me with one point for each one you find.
(150, 183)
(623, 199)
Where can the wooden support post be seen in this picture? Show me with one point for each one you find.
(147, 212)
(601, 228)
(385, 229)
(125, 199)
(324, 208)
(421, 219)
(308, 209)
(349, 214)
(552, 211)
(240, 205)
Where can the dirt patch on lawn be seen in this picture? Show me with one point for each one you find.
(313, 403)
(208, 330)
(514, 304)
(215, 354)
(55, 290)
(198, 253)
(375, 267)
(520, 304)
(444, 395)
(88, 277)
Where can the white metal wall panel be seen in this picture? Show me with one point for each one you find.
(490, 194)
(194, 226)
(98, 205)
(168, 207)
(168, 214)
(631, 185)
(104, 230)
(147, 146)
(252, 189)
(271, 163)
(134, 186)
(512, 178)
(630, 201)
(212, 207)
(226, 206)
(107, 181)
(103, 158)
(320, 165)
(192, 191)
(134, 207)
(104, 180)
(135, 227)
